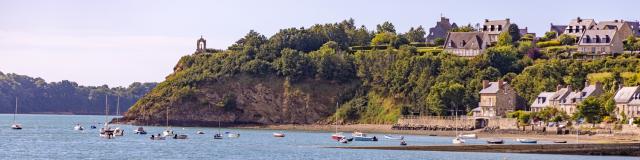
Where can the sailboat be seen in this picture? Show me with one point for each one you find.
(458, 139)
(16, 125)
(140, 130)
(118, 131)
(106, 131)
(168, 132)
(78, 127)
(218, 135)
(337, 135)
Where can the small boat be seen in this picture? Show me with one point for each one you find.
(433, 135)
(403, 143)
(359, 136)
(217, 136)
(559, 141)
(495, 141)
(15, 125)
(393, 137)
(457, 140)
(153, 137)
(521, 140)
(199, 132)
(140, 130)
(93, 127)
(468, 136)
(233, 135)
(168, 133)
(118, 132)
(182, 136)
(278, 134)
(78, 127)
(343, 140)
(337, 136)
(106, 132)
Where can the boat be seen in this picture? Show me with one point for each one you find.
(275, 134)
(78, 127)
(140, 130)
(233, 135)
(217, 136)
(93, 127)
(393, 137)
(359, 136)
(457, 140)
(153, 137)
(522, 140)
(106, 131)
(181, 136)
(168, 132)
(337, 135)
(403, 143)
(559, 141)
(343, 140)
(199, 132)
(15, 125)
(468, 136)
(495, 141)
(118, 131)
(433, 135)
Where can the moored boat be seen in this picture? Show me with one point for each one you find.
(522, 140)
(217, 136)
(393, 137)
(199, 132)
(495, 141)
(153, 137)
(78, 127)
(468, 136)
(233, 135)
(278, 134)
(118, 132)
(337, 136)
(457, 140)
(559, 141)
(140, 130)
(181, 136)
(16, 125)
(168, 133)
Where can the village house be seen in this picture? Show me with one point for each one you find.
(493, 28)
(565, 99)
(578, 26)
(496, 99)
(559, 29)
(465, 44)
(628, 102)
(440, 30)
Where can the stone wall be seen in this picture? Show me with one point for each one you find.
(502, 123)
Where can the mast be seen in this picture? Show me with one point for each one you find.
(336, 123)
(106, 110)
(167, 117)
(16, 111)
(118, 108)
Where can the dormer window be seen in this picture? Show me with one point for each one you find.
(464, 43)
(451, 44)
(607, 39)
(597, 39)
(493, 28)
(577, 29)
(484, 28)
(588, 39)
(499, 27)
(570, 29)
(584, 28)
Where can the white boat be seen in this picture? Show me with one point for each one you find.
(522, 140)
(275, 134)
(457, 141)
(118, 132)
(199, 132)
(78, 127)
(359, 136)
(153, 137)
(393, 137)
(343, 140)
(140, 130)
(468, 136)
(168, 133)
(233, 135)
(106, 131)
(16, 125)
(182, 136)
(217, 136)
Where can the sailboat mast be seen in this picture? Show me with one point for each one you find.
(336, 123)
(106, 110)
(118, 107)
(16, 111)
(167, 116)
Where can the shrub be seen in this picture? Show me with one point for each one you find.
(548, 43)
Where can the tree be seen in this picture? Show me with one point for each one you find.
(360, 36)
(384, 38)
(438, 41)
(514, 32)
(566, 39)
(591, 110)
(416, 35)
(549, 35)
(527, 37)
(631, 43)
(293, 64)
(466, 28)
(504, 39)
(386, 27)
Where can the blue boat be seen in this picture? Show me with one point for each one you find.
(359, 136)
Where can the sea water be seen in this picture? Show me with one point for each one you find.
(53, 137)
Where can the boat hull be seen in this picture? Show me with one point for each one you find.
(365, 139)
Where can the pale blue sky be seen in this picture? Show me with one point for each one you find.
(118, 42)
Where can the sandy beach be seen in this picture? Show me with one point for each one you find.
(386, 129)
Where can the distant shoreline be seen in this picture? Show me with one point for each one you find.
(386, 129)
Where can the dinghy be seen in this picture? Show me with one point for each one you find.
(140, 130)
(182, 136)
(559, 141)
(393, 137)
(457, 140)
(495, 141)
(522, 140)
(468, 136)
(359, 136)
(78, 127)
(153, 137)
(278, 135)
(233, 135)
(217, 136)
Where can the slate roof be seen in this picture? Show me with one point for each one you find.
(625, 94)
(465, 40)
(593, 33)
(493, 87)
(560, 94)
(583, 22)
(558, 28)
(609, 24)
(542, 100)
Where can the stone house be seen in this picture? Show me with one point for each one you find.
(465, 44)
(599, 43)
(493, 28)
(559, 29)
(635, 27)
(628, 102)
(440, 30)
(496, 99)
(565, 99)
(578, 26)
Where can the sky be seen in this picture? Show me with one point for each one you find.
(118, 42)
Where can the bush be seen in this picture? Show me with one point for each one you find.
(548, 43)
(566, 39)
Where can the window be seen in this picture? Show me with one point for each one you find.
(451, 44)
(464, 43)
(577, 29)
(570, 29)
(588, 40)
(593, 49)
(607, 39)
(493, 28)
(584, 28)
(597, 39)
(484, 28)
(499, 27)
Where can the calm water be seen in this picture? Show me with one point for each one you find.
(53, 137)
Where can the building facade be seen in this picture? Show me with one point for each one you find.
(440, 30)
(565, 99)
(496, 99)
(465, 44)
(493, 28)
(628, 102)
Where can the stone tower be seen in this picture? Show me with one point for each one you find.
(201, 45)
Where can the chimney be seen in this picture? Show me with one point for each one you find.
(500, 84)
(485, 84)
(579, 20)
(558, 87)
(486, 20)
(615, 21)
(508, 21)
(569, 88)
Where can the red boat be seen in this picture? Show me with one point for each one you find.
(337, 136)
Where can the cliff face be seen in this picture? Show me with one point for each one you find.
(243, 99)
